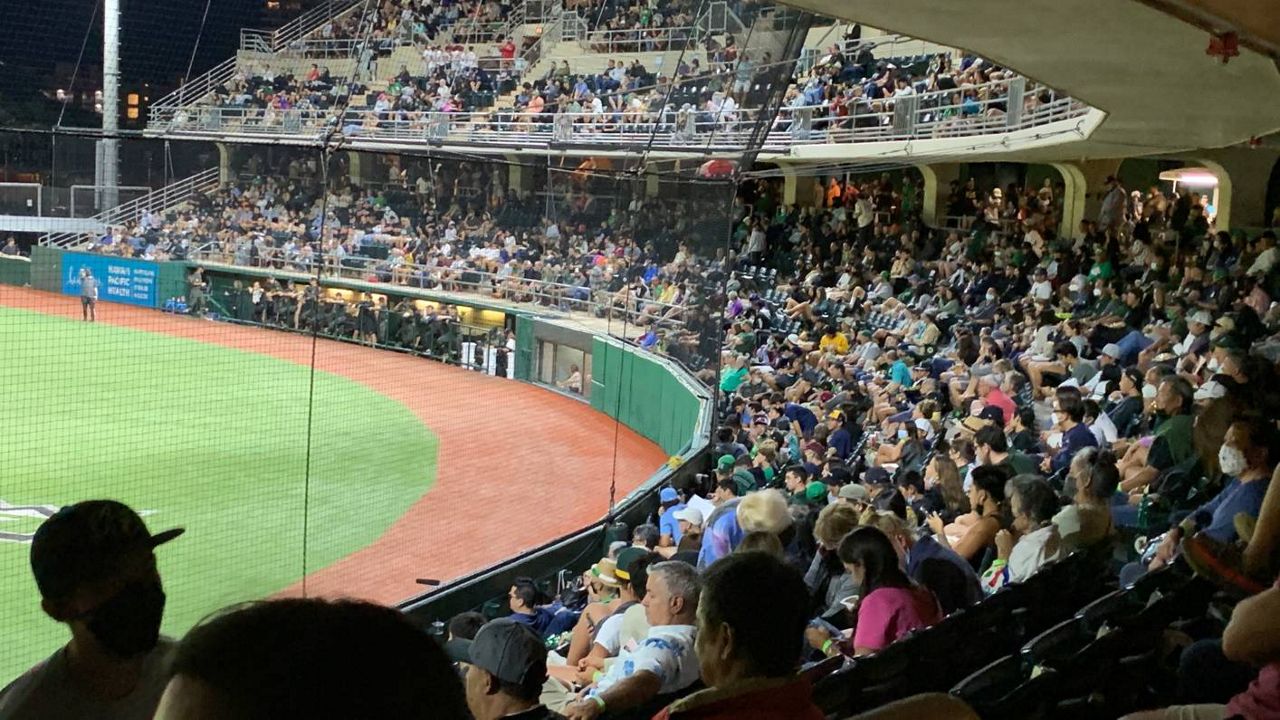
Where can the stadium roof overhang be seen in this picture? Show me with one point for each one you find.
(1145, 66)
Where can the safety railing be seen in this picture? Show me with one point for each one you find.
(199, 87)
(655, 39)
(994, 108)
(621, 305)
(301, 26)
(166, 198)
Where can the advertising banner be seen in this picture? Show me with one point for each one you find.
(120, 280)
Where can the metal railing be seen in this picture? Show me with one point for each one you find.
(166, 198)
(977, 110)
(199, 87)
(658, 39)
(621, 305)
(298, 28)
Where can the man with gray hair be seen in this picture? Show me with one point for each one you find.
(665, 661)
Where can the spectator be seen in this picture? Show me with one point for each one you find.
(310, 658)
(665, 662)
(1068, 419)
(930, 565)
(1033, 505)
(890, 604)
(970, 536)
(1091, 485)
(752, 607)
(95, 569)
(522, 599)
(506, 667)
(826, 577)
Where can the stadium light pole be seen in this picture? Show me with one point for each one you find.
(108, 147)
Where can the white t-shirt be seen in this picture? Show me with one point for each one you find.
(1032, 551)
(1104, 430)
(47, 691)
(667, 652)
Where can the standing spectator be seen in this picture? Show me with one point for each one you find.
(753, 608)
(299, 658)
(88, 295)
(96, 571)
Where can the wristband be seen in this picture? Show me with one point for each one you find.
(595, 676)
(998, 563)
(826, 646)
(599, 701)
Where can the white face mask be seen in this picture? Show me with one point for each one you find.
(1214, 365)
(1097, 292)
(991, 298)
(1058, 418)
(1231, 460)
(1148, 392)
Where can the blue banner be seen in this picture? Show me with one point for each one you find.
(119, 279)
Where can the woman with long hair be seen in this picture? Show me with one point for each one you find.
(944, 491)
(890, 604)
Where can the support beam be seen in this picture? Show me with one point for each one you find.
(109, 148)
(937, 186)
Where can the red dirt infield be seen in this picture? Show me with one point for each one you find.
(517, 465)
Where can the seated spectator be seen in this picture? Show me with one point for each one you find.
(1247, 457)
(929, 564)
(753, 606)
(522, 599)
(826, 577)
(95, 569)
(603, 600)
(310, 658)
(890, 604)
(971, 538)
(1252, 636)
(763, 511)
(1091, 485)
(1033, 505)
(665, 662)
(1068, 420)
(506, 666)
(1169, 444)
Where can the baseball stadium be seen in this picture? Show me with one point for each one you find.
(639, 359)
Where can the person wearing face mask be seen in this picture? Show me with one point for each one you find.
(1037, 540)
(1248, 453)
(1068, 418)
(96, 571)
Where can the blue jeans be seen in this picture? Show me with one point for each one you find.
(1132, 344)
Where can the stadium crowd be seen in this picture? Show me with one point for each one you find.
(912, 425)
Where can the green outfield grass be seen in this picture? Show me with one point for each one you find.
(197, 435)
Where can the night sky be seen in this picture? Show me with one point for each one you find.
(157, 39)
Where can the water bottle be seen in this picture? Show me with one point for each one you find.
(1144, 512)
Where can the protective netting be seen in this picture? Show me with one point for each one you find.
(346, 370)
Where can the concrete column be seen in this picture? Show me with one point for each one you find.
(1094, 173)
(519, 177)
(353, 167)
(937, 186)
(225, 174)
(1073, 198)
(1243, 174)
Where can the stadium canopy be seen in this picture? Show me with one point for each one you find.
(1145, 63)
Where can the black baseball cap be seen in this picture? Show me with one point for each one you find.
(509, 651)
(84, 542)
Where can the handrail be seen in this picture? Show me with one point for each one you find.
(600, 303)
(159, 200)
(967, 111)
(198, 87)
(654, 39)
(310, 21)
